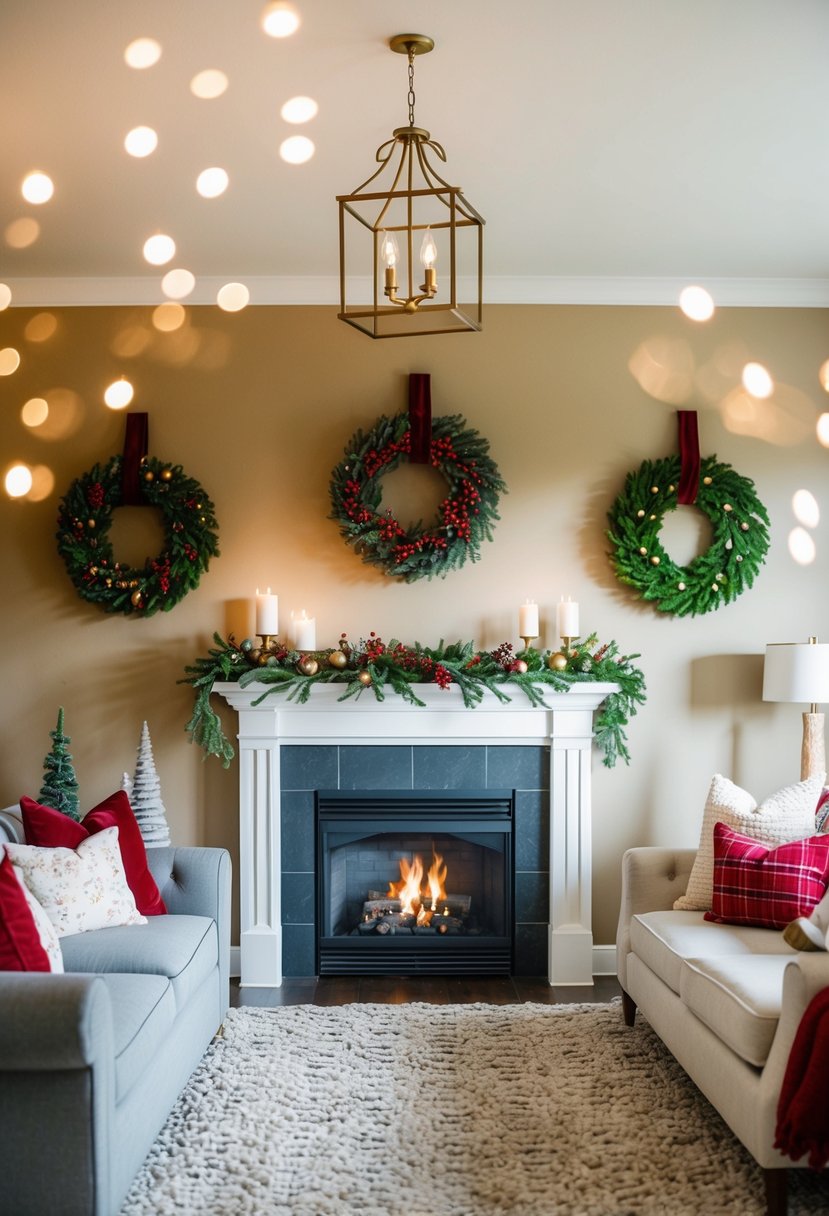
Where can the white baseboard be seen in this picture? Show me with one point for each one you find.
(604, 961)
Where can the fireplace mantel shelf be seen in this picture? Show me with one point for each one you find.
(564, 724)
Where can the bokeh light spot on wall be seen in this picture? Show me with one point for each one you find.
(66, 414)
(280, 20)
(9, 361)
(664, 368)
(784, 420)
(233, 297)
(37, 188)
(296, 149)
(802, 546)
(823, 376)
(696, 303)
(806, 509)
(5, 296)
(131, 341)
(141, 141)
(43, 483)
(299, 109)
(159, 249)
(822, 429)
(18, 480)
(757, 381)
(142, 53)
(169, 317)
(119, 394)
(41, 327)
(22, 233)
(35, 412)
(212, 182)
(178, 283)
(209, 84)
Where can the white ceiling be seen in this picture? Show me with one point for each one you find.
(615, 148)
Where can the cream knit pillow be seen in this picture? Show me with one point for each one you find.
(787, 815)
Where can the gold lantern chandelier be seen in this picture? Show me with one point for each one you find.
(421, 238)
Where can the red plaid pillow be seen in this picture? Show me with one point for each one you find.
(758, 885)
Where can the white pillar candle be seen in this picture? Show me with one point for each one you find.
(305, 632)
(568, 618)
(528, 620)
(267, 614)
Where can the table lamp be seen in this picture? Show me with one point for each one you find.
(799, 671)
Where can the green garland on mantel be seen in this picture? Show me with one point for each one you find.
(382, 667)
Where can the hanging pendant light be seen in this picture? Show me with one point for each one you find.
(410, 244)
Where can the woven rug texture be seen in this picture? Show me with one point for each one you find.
(448, 1110)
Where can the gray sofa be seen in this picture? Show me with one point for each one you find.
(726, 1000)
(92, 1061)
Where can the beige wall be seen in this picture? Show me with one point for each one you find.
(258, 407)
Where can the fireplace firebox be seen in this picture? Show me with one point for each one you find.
(415, 882)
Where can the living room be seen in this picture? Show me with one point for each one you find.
(617, 157)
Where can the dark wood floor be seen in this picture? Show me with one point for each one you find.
(434, 989)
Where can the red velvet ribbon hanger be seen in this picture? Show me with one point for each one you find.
(688, 457)
(420, 417)
(136, 440)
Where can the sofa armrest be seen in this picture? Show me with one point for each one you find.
(196, 882)
(805, 976)
(53, 1022)
(652, 878)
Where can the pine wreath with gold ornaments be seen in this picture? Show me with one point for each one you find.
(465, 518)
(84, 520)
(740, 525)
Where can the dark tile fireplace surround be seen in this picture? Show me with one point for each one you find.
(306, 769)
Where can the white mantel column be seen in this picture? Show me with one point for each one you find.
(564, 724)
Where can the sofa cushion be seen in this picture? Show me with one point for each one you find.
(49, 828)
(182, 948)
(756, 885)
(143, 1011)
(739, 998)
(787, 815)
(663, 939)
(79, 889)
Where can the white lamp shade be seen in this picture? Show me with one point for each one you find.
(796, 671)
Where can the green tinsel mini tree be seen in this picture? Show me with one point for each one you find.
(60, 786)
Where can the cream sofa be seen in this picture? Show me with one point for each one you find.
(726, 1000)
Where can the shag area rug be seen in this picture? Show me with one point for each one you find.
(447, 1110)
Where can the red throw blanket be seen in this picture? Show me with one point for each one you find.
(803, 1109)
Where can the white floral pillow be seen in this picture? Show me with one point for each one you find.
(787, 815)
(79, 889)
(46, 931)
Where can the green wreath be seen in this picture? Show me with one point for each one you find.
(465, 517)
(738, 550)
(84, 520)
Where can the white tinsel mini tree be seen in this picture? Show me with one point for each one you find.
(144, 793)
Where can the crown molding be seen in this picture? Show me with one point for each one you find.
(324, 290)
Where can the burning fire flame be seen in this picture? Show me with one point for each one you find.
(416, 897)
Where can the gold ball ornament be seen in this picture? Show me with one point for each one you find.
(727, 507)
(166, 474)
(135, 599)
(308, 665)
(744, 527)
(90, 523)
(254, 654)
(262, 658)
(671, 489)
(364, 677)
(640, 514)
(654, 560)
(706, 481)
(337, 659)
(557, 661)
(520, 667)
(680, 586)
(643, 550)
(149, 475)
(654, 489)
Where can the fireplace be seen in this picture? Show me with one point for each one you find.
(415, 882)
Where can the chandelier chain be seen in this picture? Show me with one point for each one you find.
(411, 97)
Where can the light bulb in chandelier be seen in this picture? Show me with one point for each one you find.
(390, 254)
(428, 257)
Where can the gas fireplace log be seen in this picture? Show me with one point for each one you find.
(379, 901)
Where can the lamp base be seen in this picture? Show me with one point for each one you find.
(813, 750)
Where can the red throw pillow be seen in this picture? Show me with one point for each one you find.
(52, 829)
(20, 948)
(758, 885)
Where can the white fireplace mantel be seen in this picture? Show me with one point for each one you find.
(565, 725)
